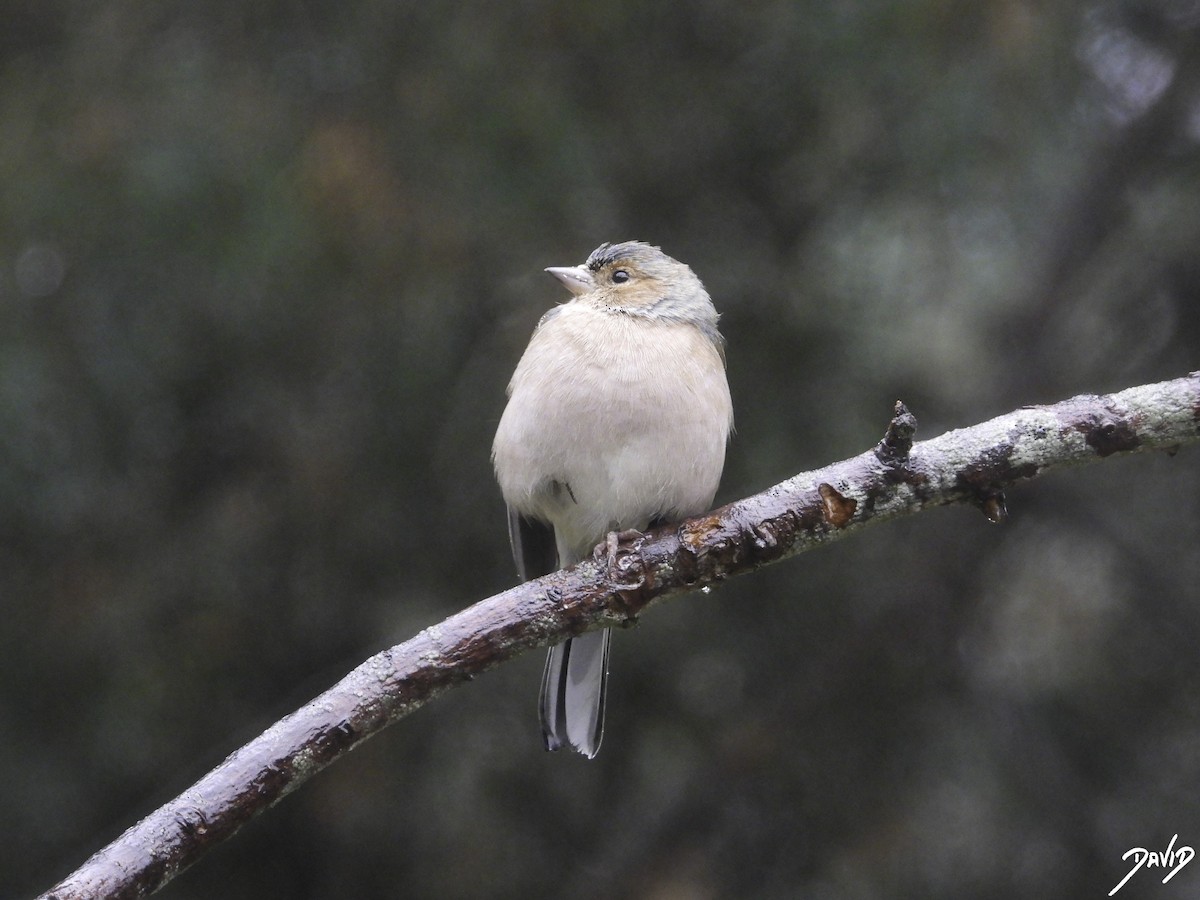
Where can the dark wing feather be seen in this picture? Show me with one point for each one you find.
(533, 546)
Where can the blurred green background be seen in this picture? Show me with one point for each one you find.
(265, 270)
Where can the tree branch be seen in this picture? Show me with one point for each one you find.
(897, 477)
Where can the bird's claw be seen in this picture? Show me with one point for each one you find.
(612, 545)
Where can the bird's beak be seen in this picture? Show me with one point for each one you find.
(576, 279)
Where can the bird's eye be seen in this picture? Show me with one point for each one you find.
(620, 276)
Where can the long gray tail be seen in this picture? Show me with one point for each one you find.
(573, 689)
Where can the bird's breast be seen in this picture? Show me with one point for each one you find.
(631, 414)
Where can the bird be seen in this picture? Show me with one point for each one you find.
(618, 418)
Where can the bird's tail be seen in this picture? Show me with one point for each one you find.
(573, 689)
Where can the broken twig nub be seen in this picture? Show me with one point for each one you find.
(893, 449)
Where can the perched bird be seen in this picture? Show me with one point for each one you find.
(617, 419)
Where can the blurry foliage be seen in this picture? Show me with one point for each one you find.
(265, 270)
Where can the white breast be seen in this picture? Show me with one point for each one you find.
(629, 416)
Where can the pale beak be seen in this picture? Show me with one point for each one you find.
(576, 279)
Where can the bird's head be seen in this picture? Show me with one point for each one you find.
(637, 278)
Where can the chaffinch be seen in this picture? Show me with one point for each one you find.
(617, 419)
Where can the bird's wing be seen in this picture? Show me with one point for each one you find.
(533, 547)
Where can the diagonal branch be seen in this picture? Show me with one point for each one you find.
(895, 478)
